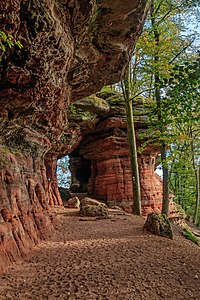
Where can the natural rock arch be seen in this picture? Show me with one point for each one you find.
(104, 143)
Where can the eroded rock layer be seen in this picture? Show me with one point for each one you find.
(106, 147)
(70, 50)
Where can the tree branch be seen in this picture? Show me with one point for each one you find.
(147, 90)
(181, 51)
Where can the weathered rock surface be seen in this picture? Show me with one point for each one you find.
(73, 203)
(104, 147)
(93, 202)
(93, 208)
(158, 224)
(24, 215)
(70, 50)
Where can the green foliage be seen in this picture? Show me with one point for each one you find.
(162, 71)
(190, 236)
(182, 111)
(7, 41)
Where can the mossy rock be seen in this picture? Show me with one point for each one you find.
(158, 224)
(79, 115)
(106, 92)
(4, 159)
(94, 211)
(93, 104)
(141, 105)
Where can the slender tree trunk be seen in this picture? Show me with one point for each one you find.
(132, 146)
(197, 179)
(196, 210)
(176, 185)
(165, 201)
(183, 191)
(179, 190)
(163, 152)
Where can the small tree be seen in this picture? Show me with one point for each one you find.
(132, 143)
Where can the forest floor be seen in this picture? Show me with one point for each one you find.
(105, 259)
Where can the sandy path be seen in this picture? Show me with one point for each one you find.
(106, 259)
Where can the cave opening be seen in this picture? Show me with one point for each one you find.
(73, 174)
(63, 172)
(64, 177)
(80, 168)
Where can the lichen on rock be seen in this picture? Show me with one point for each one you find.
(93, 104)
(159, 224)
(93, 208)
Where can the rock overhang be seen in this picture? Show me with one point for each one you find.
(70, 50)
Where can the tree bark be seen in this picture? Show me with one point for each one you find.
(197, 179)
(165, 201)
(132, 146)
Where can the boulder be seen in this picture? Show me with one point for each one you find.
(93, 208)
(73, 203)
(94, 105)
(158, 224)
(93, 202)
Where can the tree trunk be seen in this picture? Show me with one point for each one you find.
(165, 200)
(197, 177)
(165, 203)
(132, 146)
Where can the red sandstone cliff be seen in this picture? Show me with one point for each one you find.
(105, 147)
(70, 50)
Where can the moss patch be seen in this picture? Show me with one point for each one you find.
(78, 114)
(188, 234)
(93, 104)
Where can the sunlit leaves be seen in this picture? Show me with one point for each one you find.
(7, 41)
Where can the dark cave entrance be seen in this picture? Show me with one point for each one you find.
(80, 168)
(83, 175)
(73, 174)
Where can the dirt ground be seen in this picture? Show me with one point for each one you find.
(105, 259)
